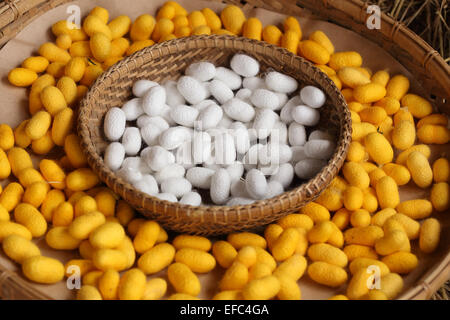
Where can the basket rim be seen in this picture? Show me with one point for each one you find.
(96, 161)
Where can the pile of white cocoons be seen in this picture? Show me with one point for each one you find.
(240, 135)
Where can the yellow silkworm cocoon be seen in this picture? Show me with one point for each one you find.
(355, 251)
(337, 237)
(360, 218)
(401, 262)
(126, 247)
(394, 241)
(374, 115)
(272, 35)
(360, 130)
(247, 256)
(5, 167)
(179, 10)
(43, 145)
(183, 279)
(38, 125)
(352, 77)
(286, 244)
(100, 46)
(348, 95)
(134, 225)
(162, 28)
(193, 242)
(73, 150)
(124, 213)
(108, 284)
(339, 60)
(420, 169)
(321, 38)
(440, 196)
(228, 295)
(91, 278)
(381, 77)
(212, 19)
(294, 267)
(53, 53)
(327, 253)
(403, 115)
(239, 240)
(235, 277)
(415, 209)
(341, 218)
(441, 170)
(53, 100)
(296, 221)
(8, 228)
(330, 198)
(370, 202)
(106, 203)
(142, 27)
(82, 179)
(391, 285)
(338, 84)
(358, 286)
(197, 31)
(316, 212)
(430, 232)
(327, 70)
(355, 174)
(182, 296)
(196, 19)
(53, 173)
(390, 105)
(353, 198)
(291, 23)
(258, 271)
(83, 265)
(18, 248)
(410, 226)
(64, 41)
(436, 119)
(59, 238)
(262, 256)
(11, 196)
(327, 274)
(62, 125)
(82, 226)
(403, 156)
(65, 27)
(321, 232)
(433, 134)
(289, 289)
(132, 285)
(37, 64)
(56, 69)
(397, 87)
(91, 74)
(31, 218)
(101, 13)
(107, 236)
(290, 41)
(366, 236)
(146, 236)
(83, 205)
(382, 216)
(4, 215)
(105, 259)
(93, 24)
(233, 19)
(271, 234)
(387, 192)
(183, 21)
(155, 289)
(6, 137)
(119, 26)
(138, 45)
(252, 29)
(19, 159)
(80, 49)
(63, 215)
(184, 32)
(379, 148)
(314, 52)
(118, 48)
(28, 176)
(157, 258)
(261, 289)
(42, 269)
(404, 135)
(364, 263)
(339, 183)
(68, 88)
(418, 106)
(398, 172)
(338, 297)
(197, 260)
(369, 93)
(166, 11)
(52, 200)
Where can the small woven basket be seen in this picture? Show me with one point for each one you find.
(168, 61)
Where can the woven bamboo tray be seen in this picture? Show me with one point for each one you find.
(168, 60)
(428, 72)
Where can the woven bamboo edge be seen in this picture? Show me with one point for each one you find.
(213, 220)
(430, 68)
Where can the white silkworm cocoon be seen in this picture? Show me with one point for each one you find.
(147, 185)
(173, 170)
(250, 159)
(192, 90)
(165, 114)
(308, 168)
(200, 177)
(256, 184)
(238, 189)
(129, 175)
(298, 153)
(174, 137)
(220, 91)
(184, 115)
(312, 96)
(286, 111)
(140, 87)
(176, 186)
(114, 124)
(173, 96)
(136, 163)
(253, 83)
(263, 98)
(225, 122)
(191, 198)
(244, 65)
(279, 133)
(284, 175)
(297, 134)
(239, 110)
(157, 157)
(220, 186)
(133, 109)
(167, 197)
(320, 135)
(231, 78)
(235, 171)
(204, 104)
(274, 188)
(264, 122)
(157, 121)
(274, 153)
(202, 71)
(183, 155)
(132, 141)
(320, 149)
(279, 82)
(114, 156)
(209, 117)
(154, 101)
(225, 151)
(150, 134)
(244, 94)
(241, 137)
(282, 100)
(305, 115)
(201, 147)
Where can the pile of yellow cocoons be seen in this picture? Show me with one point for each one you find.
(357, 222)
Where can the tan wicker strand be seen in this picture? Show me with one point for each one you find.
(167, 61)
